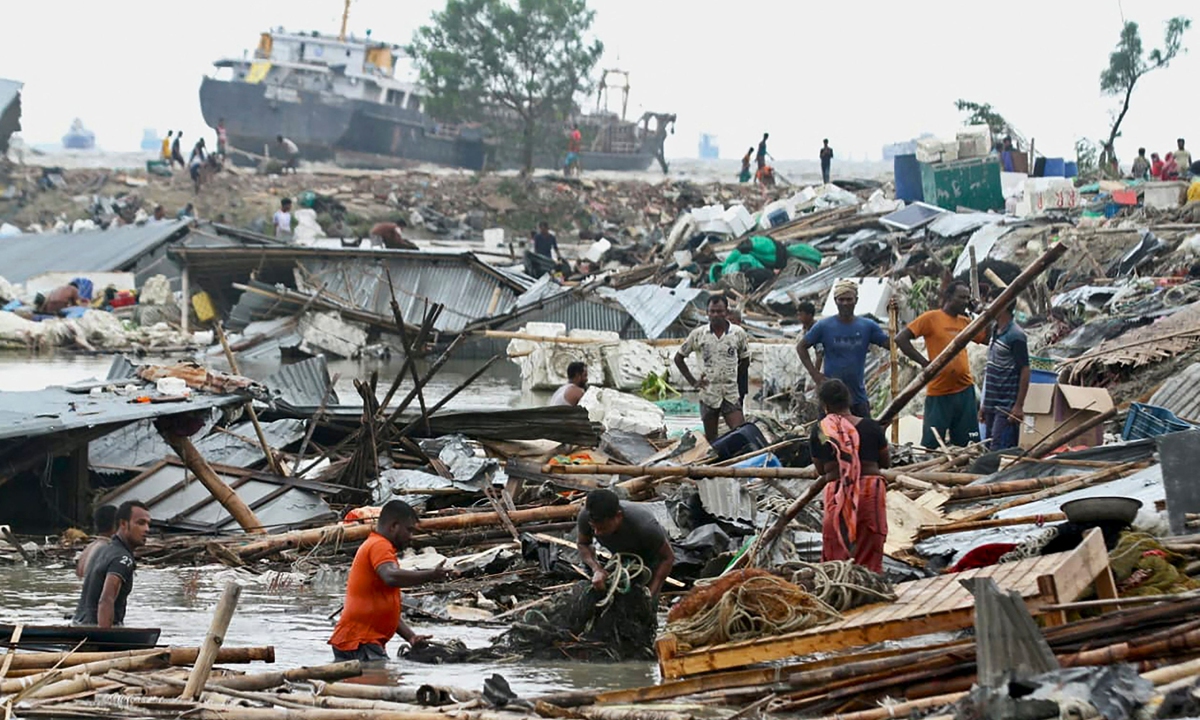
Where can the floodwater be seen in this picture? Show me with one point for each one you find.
(294, 618)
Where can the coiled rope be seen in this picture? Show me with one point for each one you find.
(840, 584)
(756, 604)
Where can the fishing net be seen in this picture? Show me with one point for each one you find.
(744, 605)
(586, 624)
(1142, 566)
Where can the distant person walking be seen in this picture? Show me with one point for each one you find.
(165, 154)
(222, 138)
(572, 166)
(760, 158)
(745, 175)
(283, 220)
(176, 153)
(291, 153)
(1141, 166)
(1183, 159)
(826, 161)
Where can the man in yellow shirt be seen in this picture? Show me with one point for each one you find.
(165, 155)
(951, 408)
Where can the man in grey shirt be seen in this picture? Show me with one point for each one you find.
(623, 527)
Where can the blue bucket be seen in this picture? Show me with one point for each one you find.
(1044, 377)
(1055, 167)
(1070, 169)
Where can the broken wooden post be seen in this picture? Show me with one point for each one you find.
(213, 641)
(894, 361)
(272, 461)
(936, 365)
(194, 461)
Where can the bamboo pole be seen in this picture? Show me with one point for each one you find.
(272, 461)
(928, 531)
(392, 693)
(1047, 444)
(1095, 478)
(894, 362)
(1010, 487)
(213, 641)
(230, 500)
(180, 656)
(154, 661)
(15, 639)
(714, 471)
(936, 365)
(449, 396)
(342, 533)
(899, 710)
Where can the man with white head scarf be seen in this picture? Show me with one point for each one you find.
(845, 339)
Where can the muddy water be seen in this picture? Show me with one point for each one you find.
(294, 618)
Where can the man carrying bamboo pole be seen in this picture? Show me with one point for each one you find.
(371, 613)
(109, 574)
(950, 404)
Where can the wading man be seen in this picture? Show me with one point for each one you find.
(577, 381)
(371, 614)
(725, 351)
(951, 410)
(105, 522)
(845, 340)
(108, 577)
(623, 528)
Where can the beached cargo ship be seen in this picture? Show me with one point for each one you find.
(338, 99)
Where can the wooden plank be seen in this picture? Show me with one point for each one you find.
(922, 607)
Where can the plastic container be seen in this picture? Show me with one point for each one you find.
(1145, 421)
(777, 218)
(907, 172)
(1070, 169)
(747, 438)
(171, 386)
(1044, 377)
(1055, 167)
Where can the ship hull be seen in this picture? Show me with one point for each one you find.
(356, 133)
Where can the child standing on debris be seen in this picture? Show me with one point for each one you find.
(951, 410)
(726, 354)
(283, 220)
(848, 452)
(1007, 381)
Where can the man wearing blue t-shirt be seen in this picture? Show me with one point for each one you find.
(845, 339)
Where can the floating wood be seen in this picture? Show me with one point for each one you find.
(937, 364)
(921, 607)
(213, 641)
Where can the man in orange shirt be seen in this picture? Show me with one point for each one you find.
(950, 405)
(371, 614)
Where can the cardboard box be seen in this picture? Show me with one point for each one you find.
(1047, 407)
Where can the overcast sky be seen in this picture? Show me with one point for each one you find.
(861, 73)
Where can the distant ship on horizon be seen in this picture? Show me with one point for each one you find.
(79, 137)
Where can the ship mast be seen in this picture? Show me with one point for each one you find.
(345, 20)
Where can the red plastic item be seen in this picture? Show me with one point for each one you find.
(1125, 197)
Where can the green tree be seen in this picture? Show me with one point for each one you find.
(985, 114)
(1127, 64)
(521, 62)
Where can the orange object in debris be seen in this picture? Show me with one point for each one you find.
(1125, 197)
(361, 515)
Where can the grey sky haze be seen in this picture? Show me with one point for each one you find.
(860, 73)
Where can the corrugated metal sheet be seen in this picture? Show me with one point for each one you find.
(140, 445)
(25, 256)
(814, 284)
(253, 307)
(1181, 394)
(302, 385)
(544, 289)
(459, 283)
(655, 308)
(54, 410)
(135, 445)
(588, 313)
(728, 499)
(176, 498)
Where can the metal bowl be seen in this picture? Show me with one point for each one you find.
(1102, 509)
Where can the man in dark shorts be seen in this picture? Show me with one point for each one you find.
(109, 574)
(725, 350)
(623, 527)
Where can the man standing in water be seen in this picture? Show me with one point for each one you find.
(371, 614)
(725, 351)
(572, 392)
(109, 574)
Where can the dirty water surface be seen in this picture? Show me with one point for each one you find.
(295, 620)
